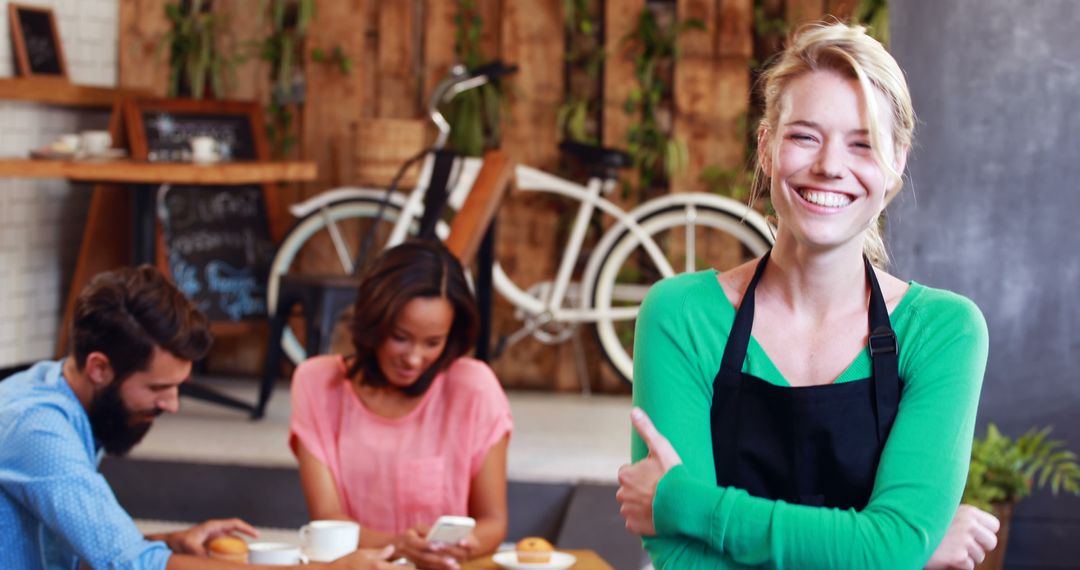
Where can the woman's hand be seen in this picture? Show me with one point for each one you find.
(637, 482)
(972, 533)
(431, 556)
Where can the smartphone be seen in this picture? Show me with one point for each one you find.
(451, 530)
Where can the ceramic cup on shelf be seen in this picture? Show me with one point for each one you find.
(328, 540)
(95, 143)
(204, 150)
(275, 554)
(69, 142)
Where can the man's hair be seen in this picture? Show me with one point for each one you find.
(125, 313)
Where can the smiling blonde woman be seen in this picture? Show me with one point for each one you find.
(818, 411)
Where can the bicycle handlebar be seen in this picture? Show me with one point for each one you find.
(457, 81)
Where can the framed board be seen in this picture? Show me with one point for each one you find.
(38, 51)
(217, 239)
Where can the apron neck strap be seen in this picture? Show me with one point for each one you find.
(739, 339)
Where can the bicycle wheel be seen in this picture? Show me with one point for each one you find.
(325, 242)
(692, 235)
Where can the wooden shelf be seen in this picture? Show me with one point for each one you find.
(54, 91)
(140, 172)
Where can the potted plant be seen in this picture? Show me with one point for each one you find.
(1004, 471)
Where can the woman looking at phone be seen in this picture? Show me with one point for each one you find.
(839, 434)
(408, 429)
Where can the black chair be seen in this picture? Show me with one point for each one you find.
(322, 299)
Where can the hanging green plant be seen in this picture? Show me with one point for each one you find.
(874, 14)
(578, 116)
(657, 155)
(282, 49)
(475, 116)
(197, 66)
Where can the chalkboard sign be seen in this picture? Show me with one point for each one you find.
(217, 238)
(161, 129)
(219, 247)
(37, 43)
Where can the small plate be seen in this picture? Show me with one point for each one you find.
(509, 561)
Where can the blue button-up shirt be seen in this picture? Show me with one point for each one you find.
(55, 508)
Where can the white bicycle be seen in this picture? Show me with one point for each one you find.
(657, 239)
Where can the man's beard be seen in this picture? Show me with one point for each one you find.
(111, 422)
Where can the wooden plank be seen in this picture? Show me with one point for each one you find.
(491, 12)
(55, 91)
(802, 11)
(397, 83)
(139, 172)
(842, 9)
(620, 18)
(438, 43)
(142, 66)
(469, 224)
(695, 104)
(530, 134)
(735, 31)
(529, 225)
(698, 43)
(243, 25)
(334, 102)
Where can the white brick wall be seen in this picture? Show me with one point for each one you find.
(41, 221)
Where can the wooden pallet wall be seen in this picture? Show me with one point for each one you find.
(359, 126)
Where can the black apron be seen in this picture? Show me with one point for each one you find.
(815, 445)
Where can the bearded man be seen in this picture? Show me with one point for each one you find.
(134, 337)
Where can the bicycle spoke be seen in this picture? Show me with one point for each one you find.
(340, 247)
(691, 238)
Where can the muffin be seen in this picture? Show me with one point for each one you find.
(228, 548)
(534, 550)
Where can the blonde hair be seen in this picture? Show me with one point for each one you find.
(848, 50)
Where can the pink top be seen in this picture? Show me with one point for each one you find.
(392, 474)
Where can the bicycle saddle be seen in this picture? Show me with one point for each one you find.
(595, 155)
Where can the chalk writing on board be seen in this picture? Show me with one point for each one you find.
(169, 134)
(37, 43)
(219, 248)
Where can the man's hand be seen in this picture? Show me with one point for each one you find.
(193, 540)
(971, 535)
(637, 482)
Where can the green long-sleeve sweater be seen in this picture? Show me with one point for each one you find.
(681, 333)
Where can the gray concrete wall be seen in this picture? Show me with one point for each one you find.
(991, 211)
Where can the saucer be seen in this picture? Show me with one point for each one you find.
(559, 561)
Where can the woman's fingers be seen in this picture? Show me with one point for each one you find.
(658, 444)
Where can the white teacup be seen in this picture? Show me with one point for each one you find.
(275, 554)
(328, 540)
(204, 149)
(94, 143)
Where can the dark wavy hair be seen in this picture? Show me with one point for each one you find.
(125, 313)
(424, 269)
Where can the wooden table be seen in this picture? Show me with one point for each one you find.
(586, 560)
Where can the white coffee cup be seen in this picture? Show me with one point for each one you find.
(94, 143)
(204, 149)
(275, 554)
(328, 540)
(70, 142)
